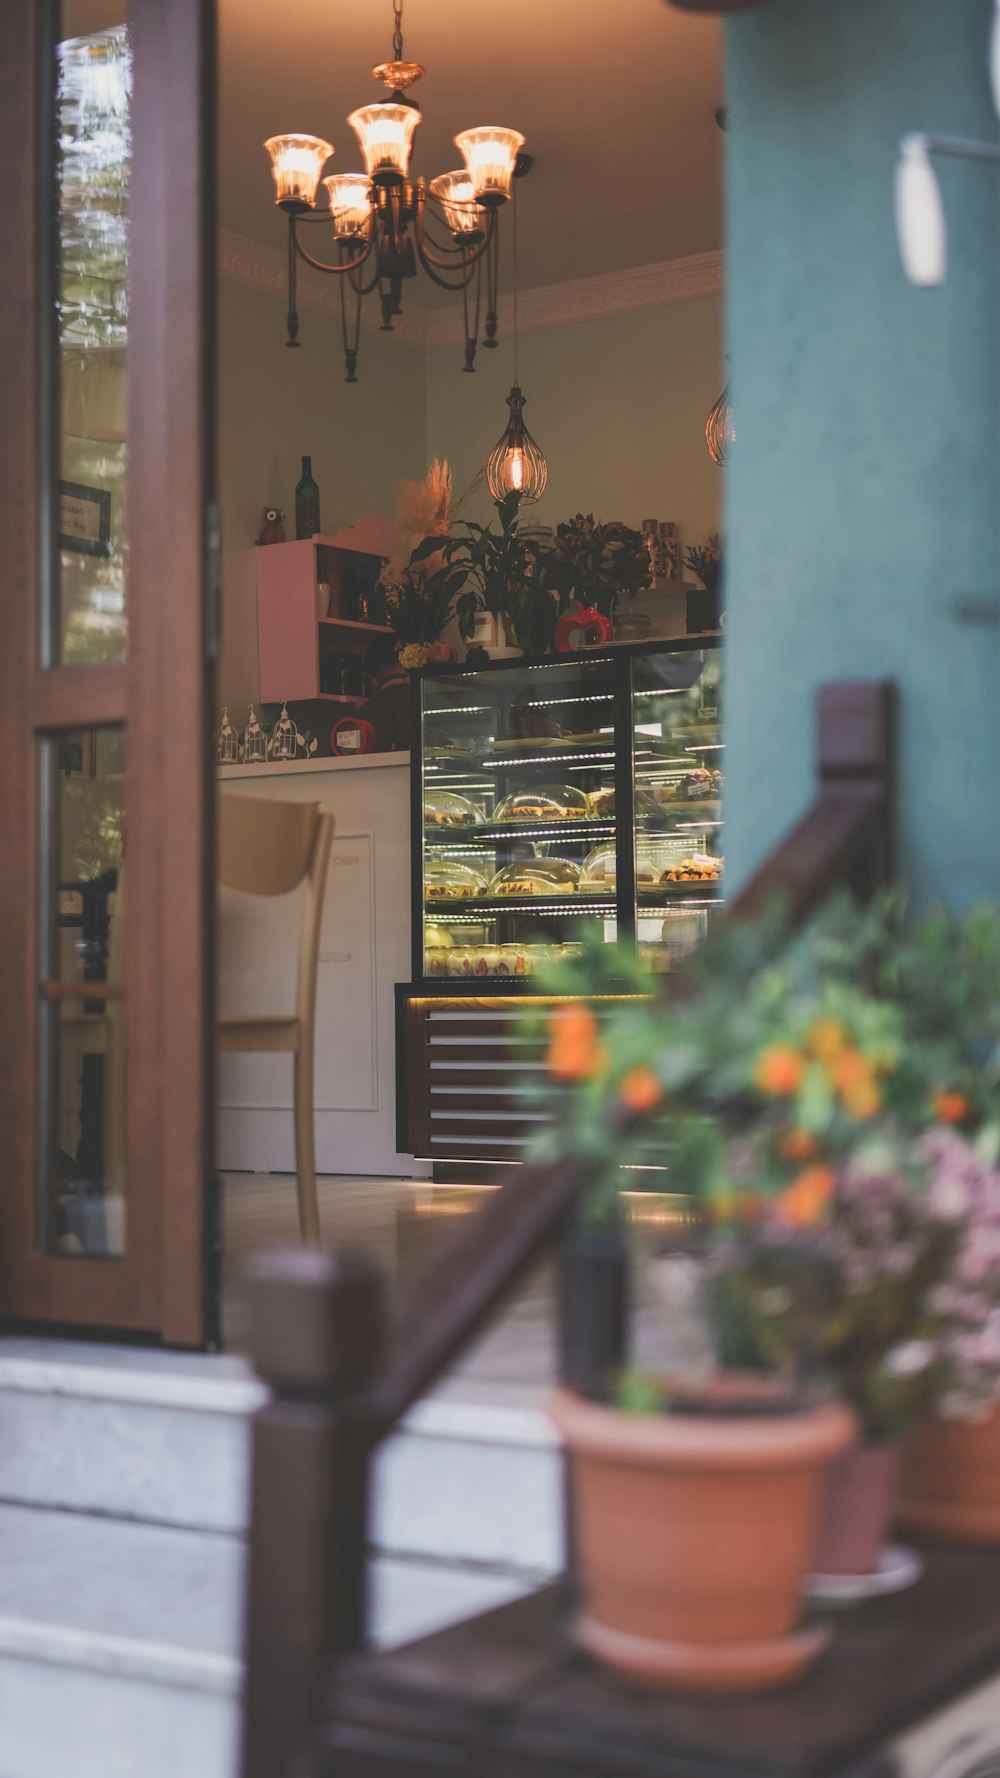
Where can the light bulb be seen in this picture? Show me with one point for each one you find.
(920, 221)
(297, 162)
(516, 464)
(350, 204)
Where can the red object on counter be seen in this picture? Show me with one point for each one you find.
(586, 627)
(352, 734)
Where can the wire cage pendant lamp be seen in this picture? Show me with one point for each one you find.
(720, 430)
(516, 464)
(385, 225)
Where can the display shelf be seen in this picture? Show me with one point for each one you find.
(349, 626)
(494, 907)
(489, 836)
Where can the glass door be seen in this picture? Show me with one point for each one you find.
(105, 676)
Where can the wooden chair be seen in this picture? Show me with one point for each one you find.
(269, 847)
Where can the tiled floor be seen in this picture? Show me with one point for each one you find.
(402, 1222)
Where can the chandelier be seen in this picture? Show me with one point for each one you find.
(382, 223)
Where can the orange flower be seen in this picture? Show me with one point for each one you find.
(950, 1108)
(851, 1069)
(862, 1099)
(640, 1090)
(574, 1052)
(806, 1199)
(826, 1039)
(797, 1145)
(778, 1070)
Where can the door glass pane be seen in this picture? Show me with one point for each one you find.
(678, 800)
(82, 1005)
(90, 293)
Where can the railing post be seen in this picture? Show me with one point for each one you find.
(855, 723)
(318, 1321)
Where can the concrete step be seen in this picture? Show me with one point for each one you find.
(163, 1439)
(119, 1642)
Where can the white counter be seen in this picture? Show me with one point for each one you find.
(364, 951)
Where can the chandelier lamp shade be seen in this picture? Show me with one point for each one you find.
(384, 223)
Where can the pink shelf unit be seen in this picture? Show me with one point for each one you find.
(290, 635)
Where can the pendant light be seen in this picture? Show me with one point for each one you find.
(516, 464)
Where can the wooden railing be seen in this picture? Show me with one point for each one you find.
(342, 1378)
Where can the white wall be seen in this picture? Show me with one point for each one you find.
(618, 404)
(274, 407)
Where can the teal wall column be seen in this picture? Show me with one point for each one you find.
(862, 499)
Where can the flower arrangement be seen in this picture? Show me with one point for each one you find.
(834, 1113)
(601, 563)
(705, 561)
(419, 582)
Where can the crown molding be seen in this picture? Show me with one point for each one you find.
(266, 269)
(591, 299)
(548, 305)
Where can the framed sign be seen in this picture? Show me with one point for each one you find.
(84, 519)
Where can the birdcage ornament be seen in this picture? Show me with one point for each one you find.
(227, 742)
(285, 737)
(254, 745)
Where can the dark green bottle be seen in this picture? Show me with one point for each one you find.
(306, 503)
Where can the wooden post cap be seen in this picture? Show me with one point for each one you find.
(317, 1320)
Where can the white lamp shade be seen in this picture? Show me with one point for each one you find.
(920, 221)
(350, 203)
(458, 201)
(385, 132)
(490, 153)
(297, 162)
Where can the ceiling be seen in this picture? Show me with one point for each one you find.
(616, 101)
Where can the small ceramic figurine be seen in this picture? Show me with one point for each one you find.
(227, 742)
(272, 528)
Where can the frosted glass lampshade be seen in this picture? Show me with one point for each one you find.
(490, 153)
(297, 162)
(516, 464)
(350, 204)
(458, 201)
(386, 133)
(920, 221)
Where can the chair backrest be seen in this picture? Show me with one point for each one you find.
(268, 847)
(265, 845)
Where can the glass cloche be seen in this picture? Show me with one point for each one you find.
(546, 802)
(535, 877)
(446, 880)
(442, 808)
(599, 871)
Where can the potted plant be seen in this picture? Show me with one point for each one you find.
(599, 564)
(792, 1099)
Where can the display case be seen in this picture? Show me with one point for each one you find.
(549, 799)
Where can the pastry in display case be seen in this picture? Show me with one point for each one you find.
(542, 802)
(695, 785)
(447, 880)
(535, 877)
(442, 808)
(693, 871)
(602, 803)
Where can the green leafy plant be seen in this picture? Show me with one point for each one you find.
(832, 1112)
(600, 563)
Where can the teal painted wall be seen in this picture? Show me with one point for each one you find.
(862, 500)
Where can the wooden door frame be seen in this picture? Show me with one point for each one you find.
(163, 692)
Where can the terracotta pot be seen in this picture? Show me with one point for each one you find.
(950, 1481)
(856, 1510)
(695, 1534)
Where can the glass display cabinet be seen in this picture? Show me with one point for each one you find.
(549, 798)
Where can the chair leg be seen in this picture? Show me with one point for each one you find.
(305, 1146)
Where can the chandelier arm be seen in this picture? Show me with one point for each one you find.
(492, 274)
(355, 283)
(427, 258)
(319, 265)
